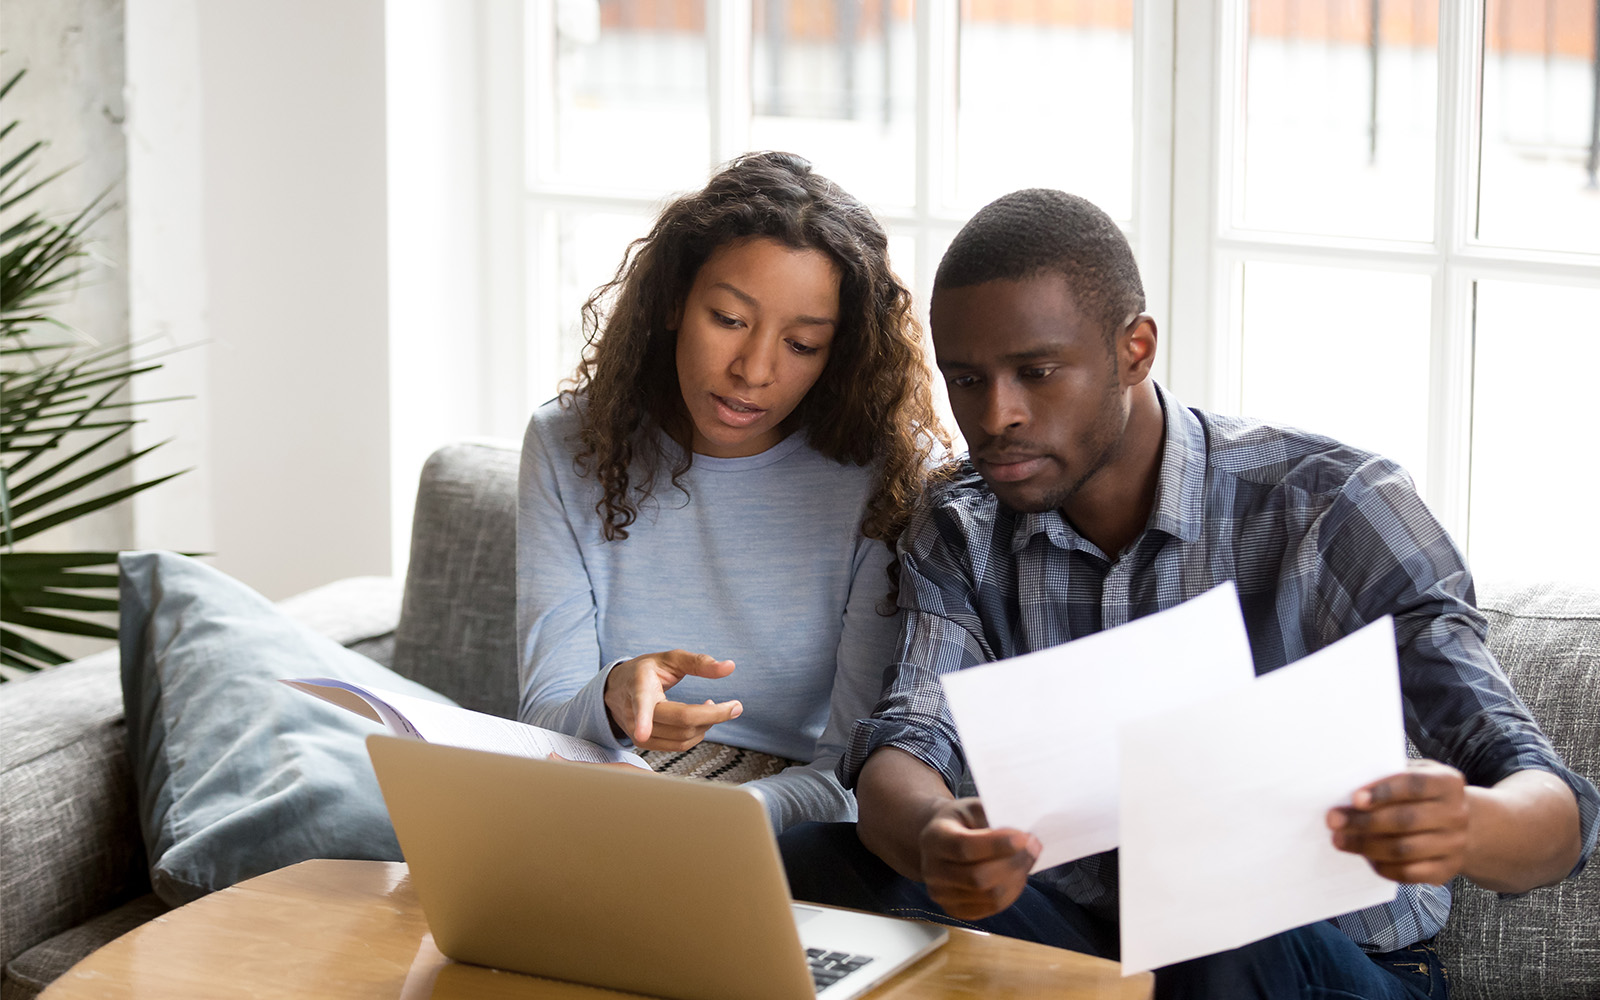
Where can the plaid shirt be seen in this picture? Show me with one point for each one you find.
(1319, 538)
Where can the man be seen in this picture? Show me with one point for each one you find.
(1091, 497)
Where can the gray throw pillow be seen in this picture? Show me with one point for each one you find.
(238, 775)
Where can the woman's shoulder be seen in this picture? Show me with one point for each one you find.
(555, 426)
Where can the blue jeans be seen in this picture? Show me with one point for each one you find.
(826, 863)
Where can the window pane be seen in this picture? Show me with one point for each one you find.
(1046, 100)
(1531, 466)
(1339, 118)
(837, 83)
(586, 248)
(1341, 352)
(1537, 187)
(628, 94)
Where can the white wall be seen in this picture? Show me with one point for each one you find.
(258, 200)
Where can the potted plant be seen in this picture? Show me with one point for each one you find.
(62, 408)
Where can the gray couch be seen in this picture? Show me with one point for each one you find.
(72, 864)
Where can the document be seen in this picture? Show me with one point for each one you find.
(432, 722)
(1224, 803)
(1040, 731)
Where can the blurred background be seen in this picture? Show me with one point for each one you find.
(1370, 218)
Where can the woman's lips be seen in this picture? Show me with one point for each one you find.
(736, 413)
(1010, 470)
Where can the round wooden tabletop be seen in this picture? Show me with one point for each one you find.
(353, 929)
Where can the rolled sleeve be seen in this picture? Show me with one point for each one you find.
(1388, 555)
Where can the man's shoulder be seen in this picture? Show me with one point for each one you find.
(956, 507)
(1273, 455)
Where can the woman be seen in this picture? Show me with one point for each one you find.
(706, 516)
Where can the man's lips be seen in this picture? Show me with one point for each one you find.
(1010, 468)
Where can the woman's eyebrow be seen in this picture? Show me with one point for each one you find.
(750, 301)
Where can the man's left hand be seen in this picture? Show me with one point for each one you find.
(1411, 827)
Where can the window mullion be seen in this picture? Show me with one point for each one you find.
(1197, 334)
(1455, 184)
(728, 27)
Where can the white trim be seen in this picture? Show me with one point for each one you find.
(1195, 283)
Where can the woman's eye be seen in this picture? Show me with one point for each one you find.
(804, 350)
(724, 319)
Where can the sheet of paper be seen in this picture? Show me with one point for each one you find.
(1040, 731)
(1224, 800)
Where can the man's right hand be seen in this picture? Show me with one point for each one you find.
(636, 699)
(909, 819)
(971, 870)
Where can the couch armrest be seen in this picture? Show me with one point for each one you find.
(69, 839)
(70, 846)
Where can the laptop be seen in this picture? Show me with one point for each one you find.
(619, 879)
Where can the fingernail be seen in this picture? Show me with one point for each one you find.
(1336, 819)
(1361, 799)
(1035, 848)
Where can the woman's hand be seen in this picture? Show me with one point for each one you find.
(636, 699)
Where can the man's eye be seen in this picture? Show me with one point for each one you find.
(961, 381)
(1037, 373)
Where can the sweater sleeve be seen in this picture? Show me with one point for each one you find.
(867, 642)
(559, 673)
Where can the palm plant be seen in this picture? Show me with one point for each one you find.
(60, 409)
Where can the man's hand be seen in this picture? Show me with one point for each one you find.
(1411, 827)
(636, 699)
(971, 870)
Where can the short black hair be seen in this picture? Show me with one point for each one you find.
(1035, 230)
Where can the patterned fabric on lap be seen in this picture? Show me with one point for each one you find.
(716, 762)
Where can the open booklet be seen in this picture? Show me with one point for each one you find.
(433, 722)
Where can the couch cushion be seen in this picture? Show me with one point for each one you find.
(457, 631)
(70, 846)
(30, 972)
(237, 774)
(1544, 945)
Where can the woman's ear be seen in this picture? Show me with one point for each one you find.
(675, 318)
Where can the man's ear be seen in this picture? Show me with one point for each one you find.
(1136, 349)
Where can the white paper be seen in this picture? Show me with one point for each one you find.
(1224, 803)
(434, 722)
(1040, 730)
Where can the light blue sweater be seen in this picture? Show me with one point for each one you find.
(763, 564)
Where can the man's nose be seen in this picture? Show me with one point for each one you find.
(1004, 408)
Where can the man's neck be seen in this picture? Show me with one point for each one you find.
(1114, 507)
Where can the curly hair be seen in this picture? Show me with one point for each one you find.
(873, 402)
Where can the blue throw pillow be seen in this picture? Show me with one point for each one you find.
(238, 775)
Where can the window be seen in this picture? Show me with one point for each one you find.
(925, 110)
(1401, 193)
(1359, 216)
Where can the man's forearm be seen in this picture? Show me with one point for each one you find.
(896, 795)
(1523, 832)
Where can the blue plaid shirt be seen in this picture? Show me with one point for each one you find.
(1319, 539)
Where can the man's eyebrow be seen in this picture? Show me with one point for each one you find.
(1014, 358)
(750, 301)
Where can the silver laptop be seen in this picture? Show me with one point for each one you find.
(620, 879)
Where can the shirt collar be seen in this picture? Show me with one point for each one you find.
(1180, 488)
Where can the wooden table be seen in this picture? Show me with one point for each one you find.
(354, 929)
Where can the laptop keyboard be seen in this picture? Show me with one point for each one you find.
(828, 967)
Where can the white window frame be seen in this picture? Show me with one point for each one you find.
(1205, 354)
(931, 221)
